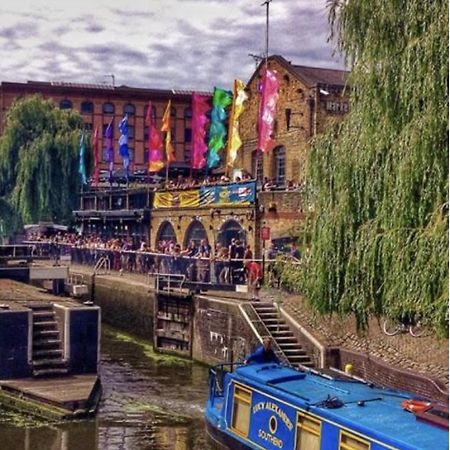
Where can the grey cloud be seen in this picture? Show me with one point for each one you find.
(19, 31)
(133, 13)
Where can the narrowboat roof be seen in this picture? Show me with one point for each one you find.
(380, 417)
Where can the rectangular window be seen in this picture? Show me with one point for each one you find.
(187, 135)
(130, 132)
(240, 420)
(308, 432)
(349, 441)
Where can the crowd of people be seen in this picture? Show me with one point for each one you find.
(197, 261)
(188, 183)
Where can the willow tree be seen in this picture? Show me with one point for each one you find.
(379, 239)
(39, 178)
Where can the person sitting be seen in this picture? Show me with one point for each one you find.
(263, 354)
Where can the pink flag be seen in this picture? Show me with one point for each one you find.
(155, 143)
(200, 106)
(267, 106)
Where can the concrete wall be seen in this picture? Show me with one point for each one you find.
(84, 340)
(14, 329)
(220, 331)
(126, 305)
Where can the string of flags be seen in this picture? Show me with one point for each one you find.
(214, 129)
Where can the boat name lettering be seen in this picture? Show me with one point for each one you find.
(276, 409)
(269, 438)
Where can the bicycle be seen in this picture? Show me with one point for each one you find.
(392, 328)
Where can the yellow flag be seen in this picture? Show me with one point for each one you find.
(234, 140)
(170, 156)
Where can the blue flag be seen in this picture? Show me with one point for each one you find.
(82, 168)
(123, 142)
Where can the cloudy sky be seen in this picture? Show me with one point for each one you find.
(184, 44)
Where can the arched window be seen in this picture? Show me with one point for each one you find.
(129, 109)
(87, 107)
(229, 230)
(257, 166)
(166, 233)
(195, 232)
(65, 104)
(188, 113)
(280, 165)
(108, 108)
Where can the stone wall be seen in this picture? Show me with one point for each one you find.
(212, 221)
(282, 211)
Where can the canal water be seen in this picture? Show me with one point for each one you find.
(150, 402)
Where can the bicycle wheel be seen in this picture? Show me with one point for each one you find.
(417, 330)
(391, 328)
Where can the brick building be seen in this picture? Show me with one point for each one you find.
(310, 99)
(100, 103)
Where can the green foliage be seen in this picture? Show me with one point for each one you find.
(39, 178)
(379, 241)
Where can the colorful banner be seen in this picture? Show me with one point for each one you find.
(207, 196)
(96, 149)
(109, 148)
(154, 144)
(123, 142)
(217, 131)
(200, 106)
(234, 140)
(82, 167)
(268, 102)
(170, 156)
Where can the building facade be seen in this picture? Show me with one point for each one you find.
(100, 104)
(310, 100)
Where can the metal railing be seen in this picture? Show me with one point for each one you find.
(260, 330)
(197, 269)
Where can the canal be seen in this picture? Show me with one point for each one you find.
(150, 402)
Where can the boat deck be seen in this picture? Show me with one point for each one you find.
(373, 410)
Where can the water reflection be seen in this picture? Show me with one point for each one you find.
(147, 404)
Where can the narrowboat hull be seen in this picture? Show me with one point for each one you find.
(219, 440)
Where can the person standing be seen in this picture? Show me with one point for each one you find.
(254, 279)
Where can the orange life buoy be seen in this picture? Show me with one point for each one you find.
(415, 406)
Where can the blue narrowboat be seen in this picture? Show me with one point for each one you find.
(271, 407)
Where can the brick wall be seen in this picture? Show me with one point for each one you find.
(402, 360)
(309, 116)
(220, 332)
(376, 370)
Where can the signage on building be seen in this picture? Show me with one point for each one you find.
(265, 233)
(242, 194)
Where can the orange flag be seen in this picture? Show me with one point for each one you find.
(170, 155)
